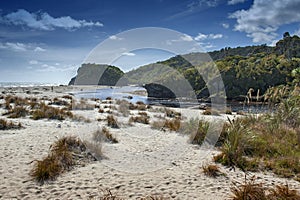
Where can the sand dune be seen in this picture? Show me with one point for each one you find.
(144, 162)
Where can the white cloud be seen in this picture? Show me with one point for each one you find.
(297, 32)
(261, 21)
(43, 21)
(225, 25)
(128, 54)
(39, 49)
(51, 68)
(186, 38)
(113, 37)
(202, 36)
(233, 2)
(14, 46)
(33, 62)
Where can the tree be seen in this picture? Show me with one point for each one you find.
(286, 35)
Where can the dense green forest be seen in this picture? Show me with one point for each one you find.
(241, 68)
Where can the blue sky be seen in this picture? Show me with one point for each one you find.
(46, 41)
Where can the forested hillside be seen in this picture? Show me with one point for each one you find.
(241, 68)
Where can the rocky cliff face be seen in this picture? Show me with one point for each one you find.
(159, 91)
(95, 74)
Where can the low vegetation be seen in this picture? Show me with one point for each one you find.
(257, 191)
(112, 121)
(144, 119)
(6, 125)
(269, 141)
(212, 171)
(49, 112)
(104, 135)
(64, 154)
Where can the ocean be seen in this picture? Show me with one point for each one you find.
(26, 84)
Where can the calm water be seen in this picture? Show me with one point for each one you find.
(128, 91)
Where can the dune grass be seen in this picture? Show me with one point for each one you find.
(252, 190)
(266, 142)
(49, 112)
(142, 118)
(7, 125)
(112, 121)
(212, 170)
(63, 155)
(104, 135)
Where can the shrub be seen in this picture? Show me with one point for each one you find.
(95, 149)
(112, 122)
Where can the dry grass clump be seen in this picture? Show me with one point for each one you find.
(249, 190)
(173, 124)
(172, 114)
(112, 122)
(64, 154)
(17, 112)
(82, 105)
(59, 102)
(104, 135)
(281, 192)
(143, 119)
(5, 125)
(50, 112)
(67, 97)
(211, 170)
(123, 107)
(256, 191)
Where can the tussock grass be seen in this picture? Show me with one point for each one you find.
(143, 119)
(112, 121)
(49, 112)
(59, 102)
(257, 191)
(17, 112)
(172, 114)
(211, 170)
(104, 135)
(173, 124)
(267, 142)
(123, 107)
(249, 190)
(82, 105)
(6, 125)
(63, 155)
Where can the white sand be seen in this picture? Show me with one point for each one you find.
(144, 162)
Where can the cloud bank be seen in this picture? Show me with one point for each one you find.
(43, 21)
(264, 17)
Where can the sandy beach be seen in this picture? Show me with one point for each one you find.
(145, 161)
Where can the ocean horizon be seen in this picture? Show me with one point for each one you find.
(26, 84)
